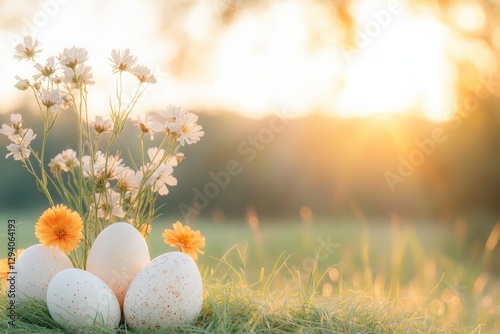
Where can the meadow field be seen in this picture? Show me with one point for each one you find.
(363, 132)
(438, 278)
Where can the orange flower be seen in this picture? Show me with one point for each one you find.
(187, 241)
(5, 267)
(61, 227)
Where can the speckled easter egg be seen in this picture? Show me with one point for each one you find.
(77, 299)
(35, 268)
(167, 293)
(118, 253)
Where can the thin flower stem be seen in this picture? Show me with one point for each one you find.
(90, 183)
(141, 142)
(29, 167)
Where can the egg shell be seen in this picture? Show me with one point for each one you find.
(77, 299)
(167, 293)
(117, 255)
(35, 268)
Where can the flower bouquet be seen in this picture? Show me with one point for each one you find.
(92, 264)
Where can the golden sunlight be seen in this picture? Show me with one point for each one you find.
(299, 56)
(407, 69)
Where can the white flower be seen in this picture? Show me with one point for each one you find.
(94, 168)
(14, 131)
(161, 177)
(28, 49)
(186, 128)
(16, 119)
(129, 181)
(108, 205)
(143, 73)
(20, 149)
(47, 70)
(176, 159)
(102, 167)
(79, 76)
(51, 99)
(22, 84)
(101, 125)
(57, 79)
(64, 161)
(146, 124)
(74, 56)
(56, 164)
(122, 60)
(155, 155)
(174, 112)
(113, 163)
(66, 101)
(164, 117)
(86, 166)
(158, 173)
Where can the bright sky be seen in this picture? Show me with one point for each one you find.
(286, 55)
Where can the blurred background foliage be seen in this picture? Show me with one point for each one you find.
(326, 156)
(322, 163)
(339, 114)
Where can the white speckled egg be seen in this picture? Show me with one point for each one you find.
(35, 268)
(77, 299)
(167, 293)
(118, 253)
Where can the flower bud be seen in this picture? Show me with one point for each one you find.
(37, 85)
(67, 98)
(57, 80)
(66, 101)
(22, 84)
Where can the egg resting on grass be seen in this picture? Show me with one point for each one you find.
(167, 293)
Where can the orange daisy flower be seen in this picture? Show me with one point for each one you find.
(5, 267)
(189, 242)
(61, 227)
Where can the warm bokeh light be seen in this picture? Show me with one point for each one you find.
(53, 23)
(393, 56)
(406, 69)
(354, 138)
(468, 15)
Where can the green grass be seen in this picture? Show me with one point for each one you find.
(331, 277)
(231, 305)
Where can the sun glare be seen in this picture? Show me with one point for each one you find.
(264, 61)
(282, 54)
(468, 15)
(99, 38)
(406, 69)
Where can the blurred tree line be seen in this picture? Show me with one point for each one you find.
(383, 164)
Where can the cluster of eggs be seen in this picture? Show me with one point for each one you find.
(119, 279)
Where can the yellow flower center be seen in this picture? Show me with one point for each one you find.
(99, 128)
(30, 53)
(60, 232)
(184, 239)
(48, 71)
(143, 128)
(184, 128)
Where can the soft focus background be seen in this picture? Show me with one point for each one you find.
(373, 125)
